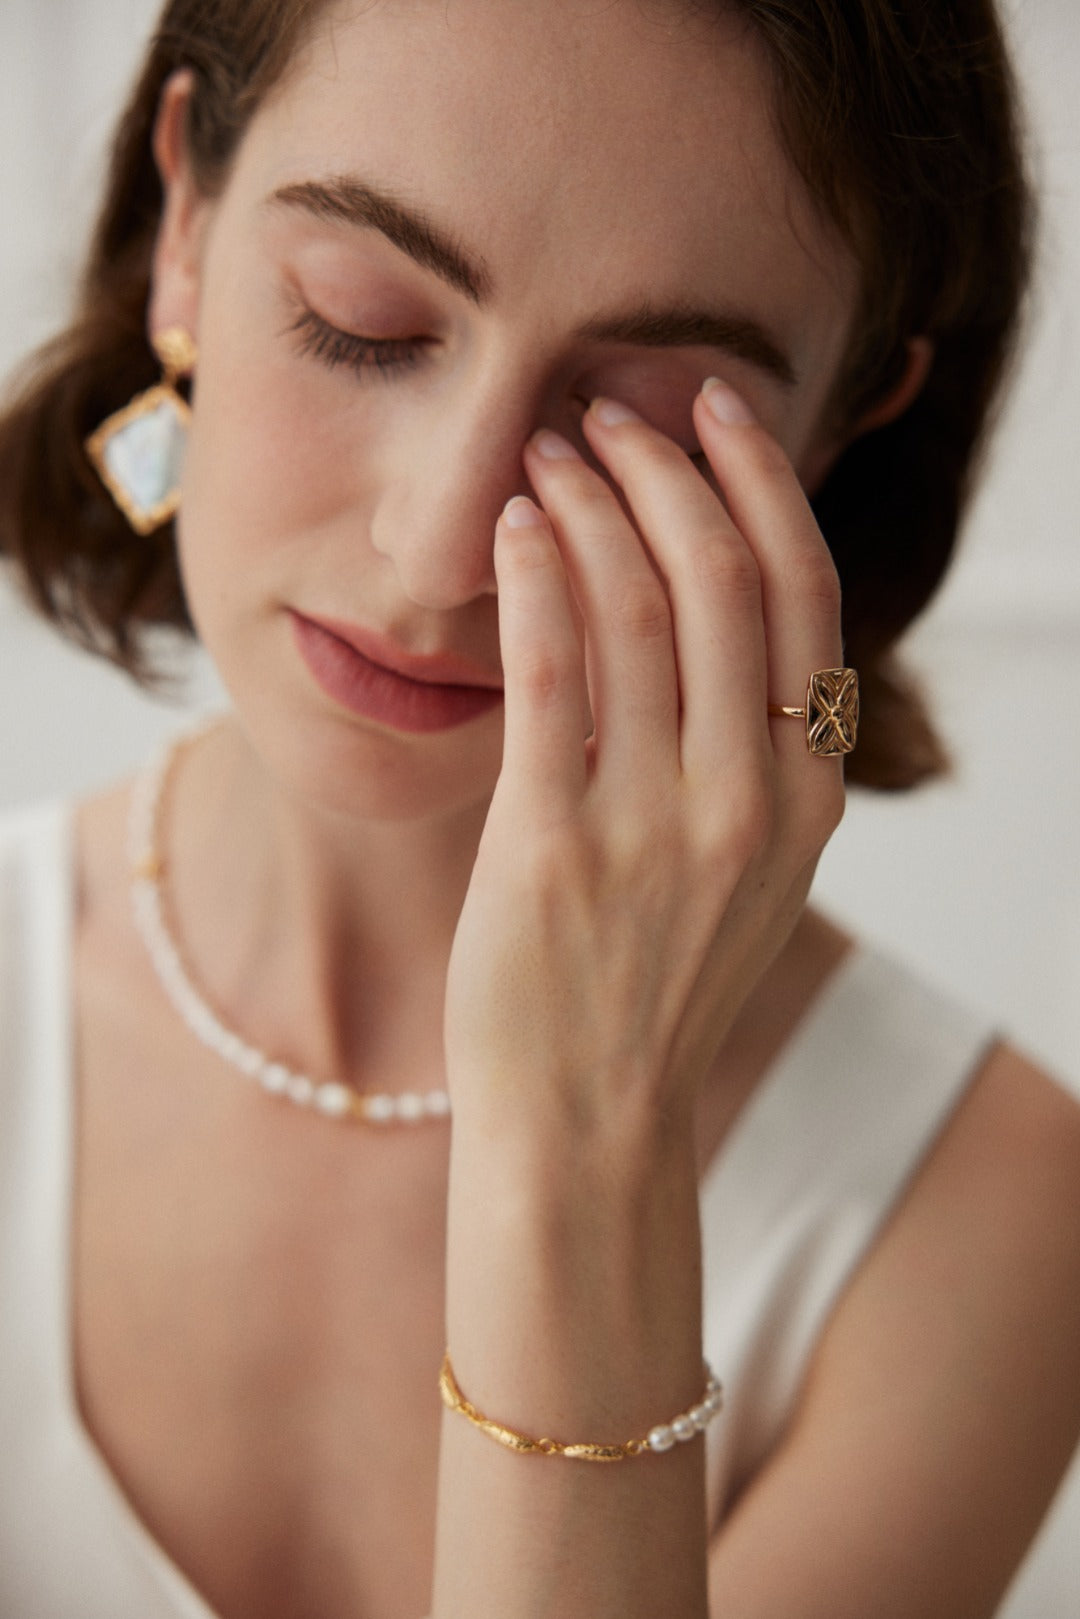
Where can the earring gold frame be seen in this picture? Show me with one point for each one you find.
(176, 350)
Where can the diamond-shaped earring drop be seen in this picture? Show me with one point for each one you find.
(138, 451)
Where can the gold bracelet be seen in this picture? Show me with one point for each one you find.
(687, 1425)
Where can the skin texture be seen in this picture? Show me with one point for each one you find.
(403, 911)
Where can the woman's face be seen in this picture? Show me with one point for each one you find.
(454, 222)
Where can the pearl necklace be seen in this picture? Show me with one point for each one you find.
(335, 1101)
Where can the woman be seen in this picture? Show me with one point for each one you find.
(515, 354)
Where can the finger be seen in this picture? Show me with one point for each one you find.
(630, 655)
(714, 588)
(543, 665)
(799, 584)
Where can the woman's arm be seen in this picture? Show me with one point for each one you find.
(628, 891)
(574, 1313)
(943, 1402)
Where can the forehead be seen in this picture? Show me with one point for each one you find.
(590, 154)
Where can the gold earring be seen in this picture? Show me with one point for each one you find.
(138, 452)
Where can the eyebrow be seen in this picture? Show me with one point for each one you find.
(683, 327)
(346, 199)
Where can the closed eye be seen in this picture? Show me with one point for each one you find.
(334, 347)
(381, 355)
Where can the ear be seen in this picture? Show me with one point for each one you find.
(177, 260)
(920, 358)
(918, 362)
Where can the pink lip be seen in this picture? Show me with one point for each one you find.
(376, 678)
(438, 668)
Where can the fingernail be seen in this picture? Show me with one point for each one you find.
(611, 413)
(521, 513)
(725, 403)
(552, 447)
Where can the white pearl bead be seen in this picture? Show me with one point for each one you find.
(699, 1416)
(714, 1400)
(251, 1062)
(274, 1078)
(333, 1100)
(661, 1439)
(683, 1428)
(232, 1048)
(202, 1024)
(437, 1104)
(410, 1106)
(300, 1090)
(379, 1109)
(174, 974)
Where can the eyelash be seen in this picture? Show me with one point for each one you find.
(361, 354)
(382, 355)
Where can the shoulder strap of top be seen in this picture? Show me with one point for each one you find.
(69, 1540)
(35, 1047)
(811, 1169)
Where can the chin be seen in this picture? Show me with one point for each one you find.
(335, 764)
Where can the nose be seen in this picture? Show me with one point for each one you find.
(454, 470)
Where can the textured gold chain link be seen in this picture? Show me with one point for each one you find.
(525, 1444)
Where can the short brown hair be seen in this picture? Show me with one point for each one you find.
(901, 116)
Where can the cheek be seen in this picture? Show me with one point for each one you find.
(278, 454)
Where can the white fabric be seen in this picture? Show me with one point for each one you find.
(801, 1186)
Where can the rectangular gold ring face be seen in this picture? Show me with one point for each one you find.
(832, 712)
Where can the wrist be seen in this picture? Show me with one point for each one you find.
(532, 1131)
(550, 1189)
(574, 1281)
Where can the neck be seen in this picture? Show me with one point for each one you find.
(322, 938)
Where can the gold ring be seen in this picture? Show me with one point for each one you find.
(831, 712)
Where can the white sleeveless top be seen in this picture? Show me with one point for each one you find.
(790, 1205)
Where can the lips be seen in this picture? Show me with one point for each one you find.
(433, 668)
(374, 677)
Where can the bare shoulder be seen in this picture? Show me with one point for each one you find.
(109, 972)
(943, 1402)
(1012, 1149)
(1000, 1192)
(101, 839)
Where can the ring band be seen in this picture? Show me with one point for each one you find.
(831, 712)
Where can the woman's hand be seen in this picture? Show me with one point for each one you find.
(630, 887)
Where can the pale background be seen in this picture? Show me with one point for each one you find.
(977, 882)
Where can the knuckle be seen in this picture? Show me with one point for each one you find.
(740, 825)
(593, 497)
(833, 805)
(543, 676)
(817, 582)
(642, 611)
(818, 815)
(655, 447)
(726, 568)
